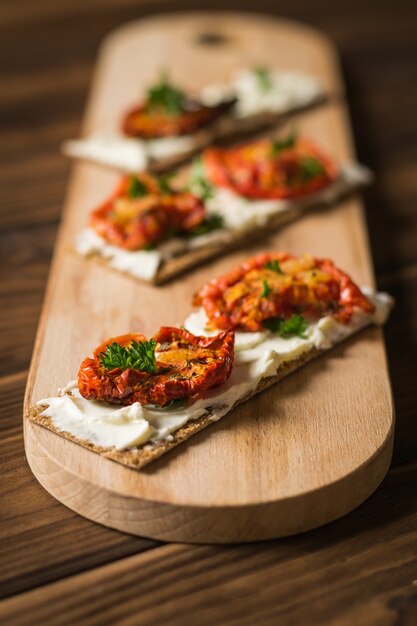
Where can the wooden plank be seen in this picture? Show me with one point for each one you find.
(329, 449)
(40, 540)
(358, 570)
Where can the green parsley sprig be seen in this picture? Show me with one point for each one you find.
(197, 181)
(212, 222)
(140, 355)
(266, 289)
(136, 189)
(263, 78)
(274, 266)
(164, 182)
(295, 326)
(311, 167)
(279, 145)
(172, 403)
(164, 95)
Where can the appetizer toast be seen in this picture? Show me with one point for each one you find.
(135, 398)
(169, 124)
(155, 227)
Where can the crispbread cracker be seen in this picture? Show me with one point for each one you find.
(139, 457)
(173, 267)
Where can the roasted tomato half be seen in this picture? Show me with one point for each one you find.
(156, 122)
(173, 365)
(168, 112)
(139, 215)
(278, 286)
(268, 169)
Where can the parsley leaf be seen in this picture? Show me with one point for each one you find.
(311, 168)
(274, 266)
(198, 183)
(296, 325)
(263, 77)
(171, 403)
(137, 189)
(273, 324)
(138, 356)
(212, 222)
(165, 183)
(165, 96)
(293, 327)
(266, 289)
(280, 145)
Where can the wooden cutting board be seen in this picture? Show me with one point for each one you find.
(297, 456)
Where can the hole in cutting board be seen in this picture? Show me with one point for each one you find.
(210, 38)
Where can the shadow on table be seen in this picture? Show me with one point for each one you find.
(389, 225)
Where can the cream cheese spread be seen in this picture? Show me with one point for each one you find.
(258, 355)
(285, 91)
(130, 154)
(239, 214)
(141, 264)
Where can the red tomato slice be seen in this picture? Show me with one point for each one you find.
(187, 366)
(258, 170)
(274, 285)
(146, 123)
(138, 222)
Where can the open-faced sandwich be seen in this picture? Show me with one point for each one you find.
(169, 124)
(135, 399)
(154, 228)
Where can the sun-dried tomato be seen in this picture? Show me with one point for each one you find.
(272, 285)
(258, 170)
(186, 366)
(137, 221)
(155, 123)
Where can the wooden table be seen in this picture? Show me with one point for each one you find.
(57, 568)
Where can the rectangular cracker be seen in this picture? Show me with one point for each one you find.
(177, 265)
(139, 457)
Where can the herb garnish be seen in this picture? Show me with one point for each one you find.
(295, 326)
(311, 168)
(263, 77)
(212, 222)
(280, 145)
(274, 266)
(198, 183)
(171, 403)
(164, 182)
(266, 290)
(273, 324)
(165, 96)
(137, 189)
(140, 355)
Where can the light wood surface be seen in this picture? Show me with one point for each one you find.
(299, 455)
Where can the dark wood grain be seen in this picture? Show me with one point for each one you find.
(40, 540)
(360, 570)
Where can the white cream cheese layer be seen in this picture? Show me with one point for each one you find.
(285, 92)
(239, 214)
(130, 154)
(141, 264)
(258, 355)
(198, 324)
(322, 334)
